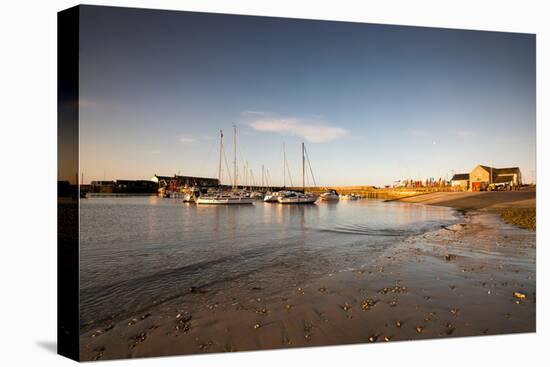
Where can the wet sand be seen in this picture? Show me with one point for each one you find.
(477, 200)
(472, 278)
(514, 207)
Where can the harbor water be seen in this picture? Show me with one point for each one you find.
(140, 251)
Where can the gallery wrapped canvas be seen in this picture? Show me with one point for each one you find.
(232, 183)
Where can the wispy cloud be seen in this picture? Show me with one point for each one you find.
(187, 140)
(312, 131)
(255, 113)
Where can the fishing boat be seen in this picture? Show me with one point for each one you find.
(190, 195)
(349, 197)
(257, 195)
(227, 198)
(330, 195)
(294, 197)
(271, 197)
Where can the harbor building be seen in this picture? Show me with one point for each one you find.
(104, 187)
(135, 187)
(483, 176)
(185, 181)
(122, 187)
(461, 180)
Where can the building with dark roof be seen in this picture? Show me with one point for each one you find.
(185, 181)
(482, 176)
(461, 180)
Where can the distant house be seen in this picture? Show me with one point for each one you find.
(482, 176)
(105, 187)
(135, 187)
(461, 180)
(188, 181)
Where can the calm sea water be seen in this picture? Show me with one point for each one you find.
(136, 251)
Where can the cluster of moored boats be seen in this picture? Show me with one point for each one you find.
(244, 197)
(236, 197)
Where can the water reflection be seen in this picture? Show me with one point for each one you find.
(152, 246)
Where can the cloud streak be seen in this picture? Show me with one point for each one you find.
(311, 131)
(187, 140)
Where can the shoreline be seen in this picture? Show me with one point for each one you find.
(455, 281)
(514, 207)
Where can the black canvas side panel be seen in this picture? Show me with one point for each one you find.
(67, 184)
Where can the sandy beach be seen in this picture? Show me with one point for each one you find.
(476, 277)
(515, 207)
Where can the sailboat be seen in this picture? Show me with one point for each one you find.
(330, 195)
(273, 196)
(226, 198)
(299, 197)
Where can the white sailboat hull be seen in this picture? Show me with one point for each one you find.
(297, 200)
(329, 197)
(229, 200)
(271, 198)
(189, 198)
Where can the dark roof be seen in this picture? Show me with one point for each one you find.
(501, 171)
(461, 177)
(176, 177)
(134, 181)
(507, 171)
(487, 168)
(503, 179)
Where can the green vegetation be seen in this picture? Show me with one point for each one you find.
(522, 217)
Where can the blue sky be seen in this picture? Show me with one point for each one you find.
(373, 103)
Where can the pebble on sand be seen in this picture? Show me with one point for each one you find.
(368, 304)
(262, 311)
(450, 257)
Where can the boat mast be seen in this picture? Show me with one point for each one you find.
(284, 165)
(303, 170)
(220, 165)
(234, 157)
(263, 175)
